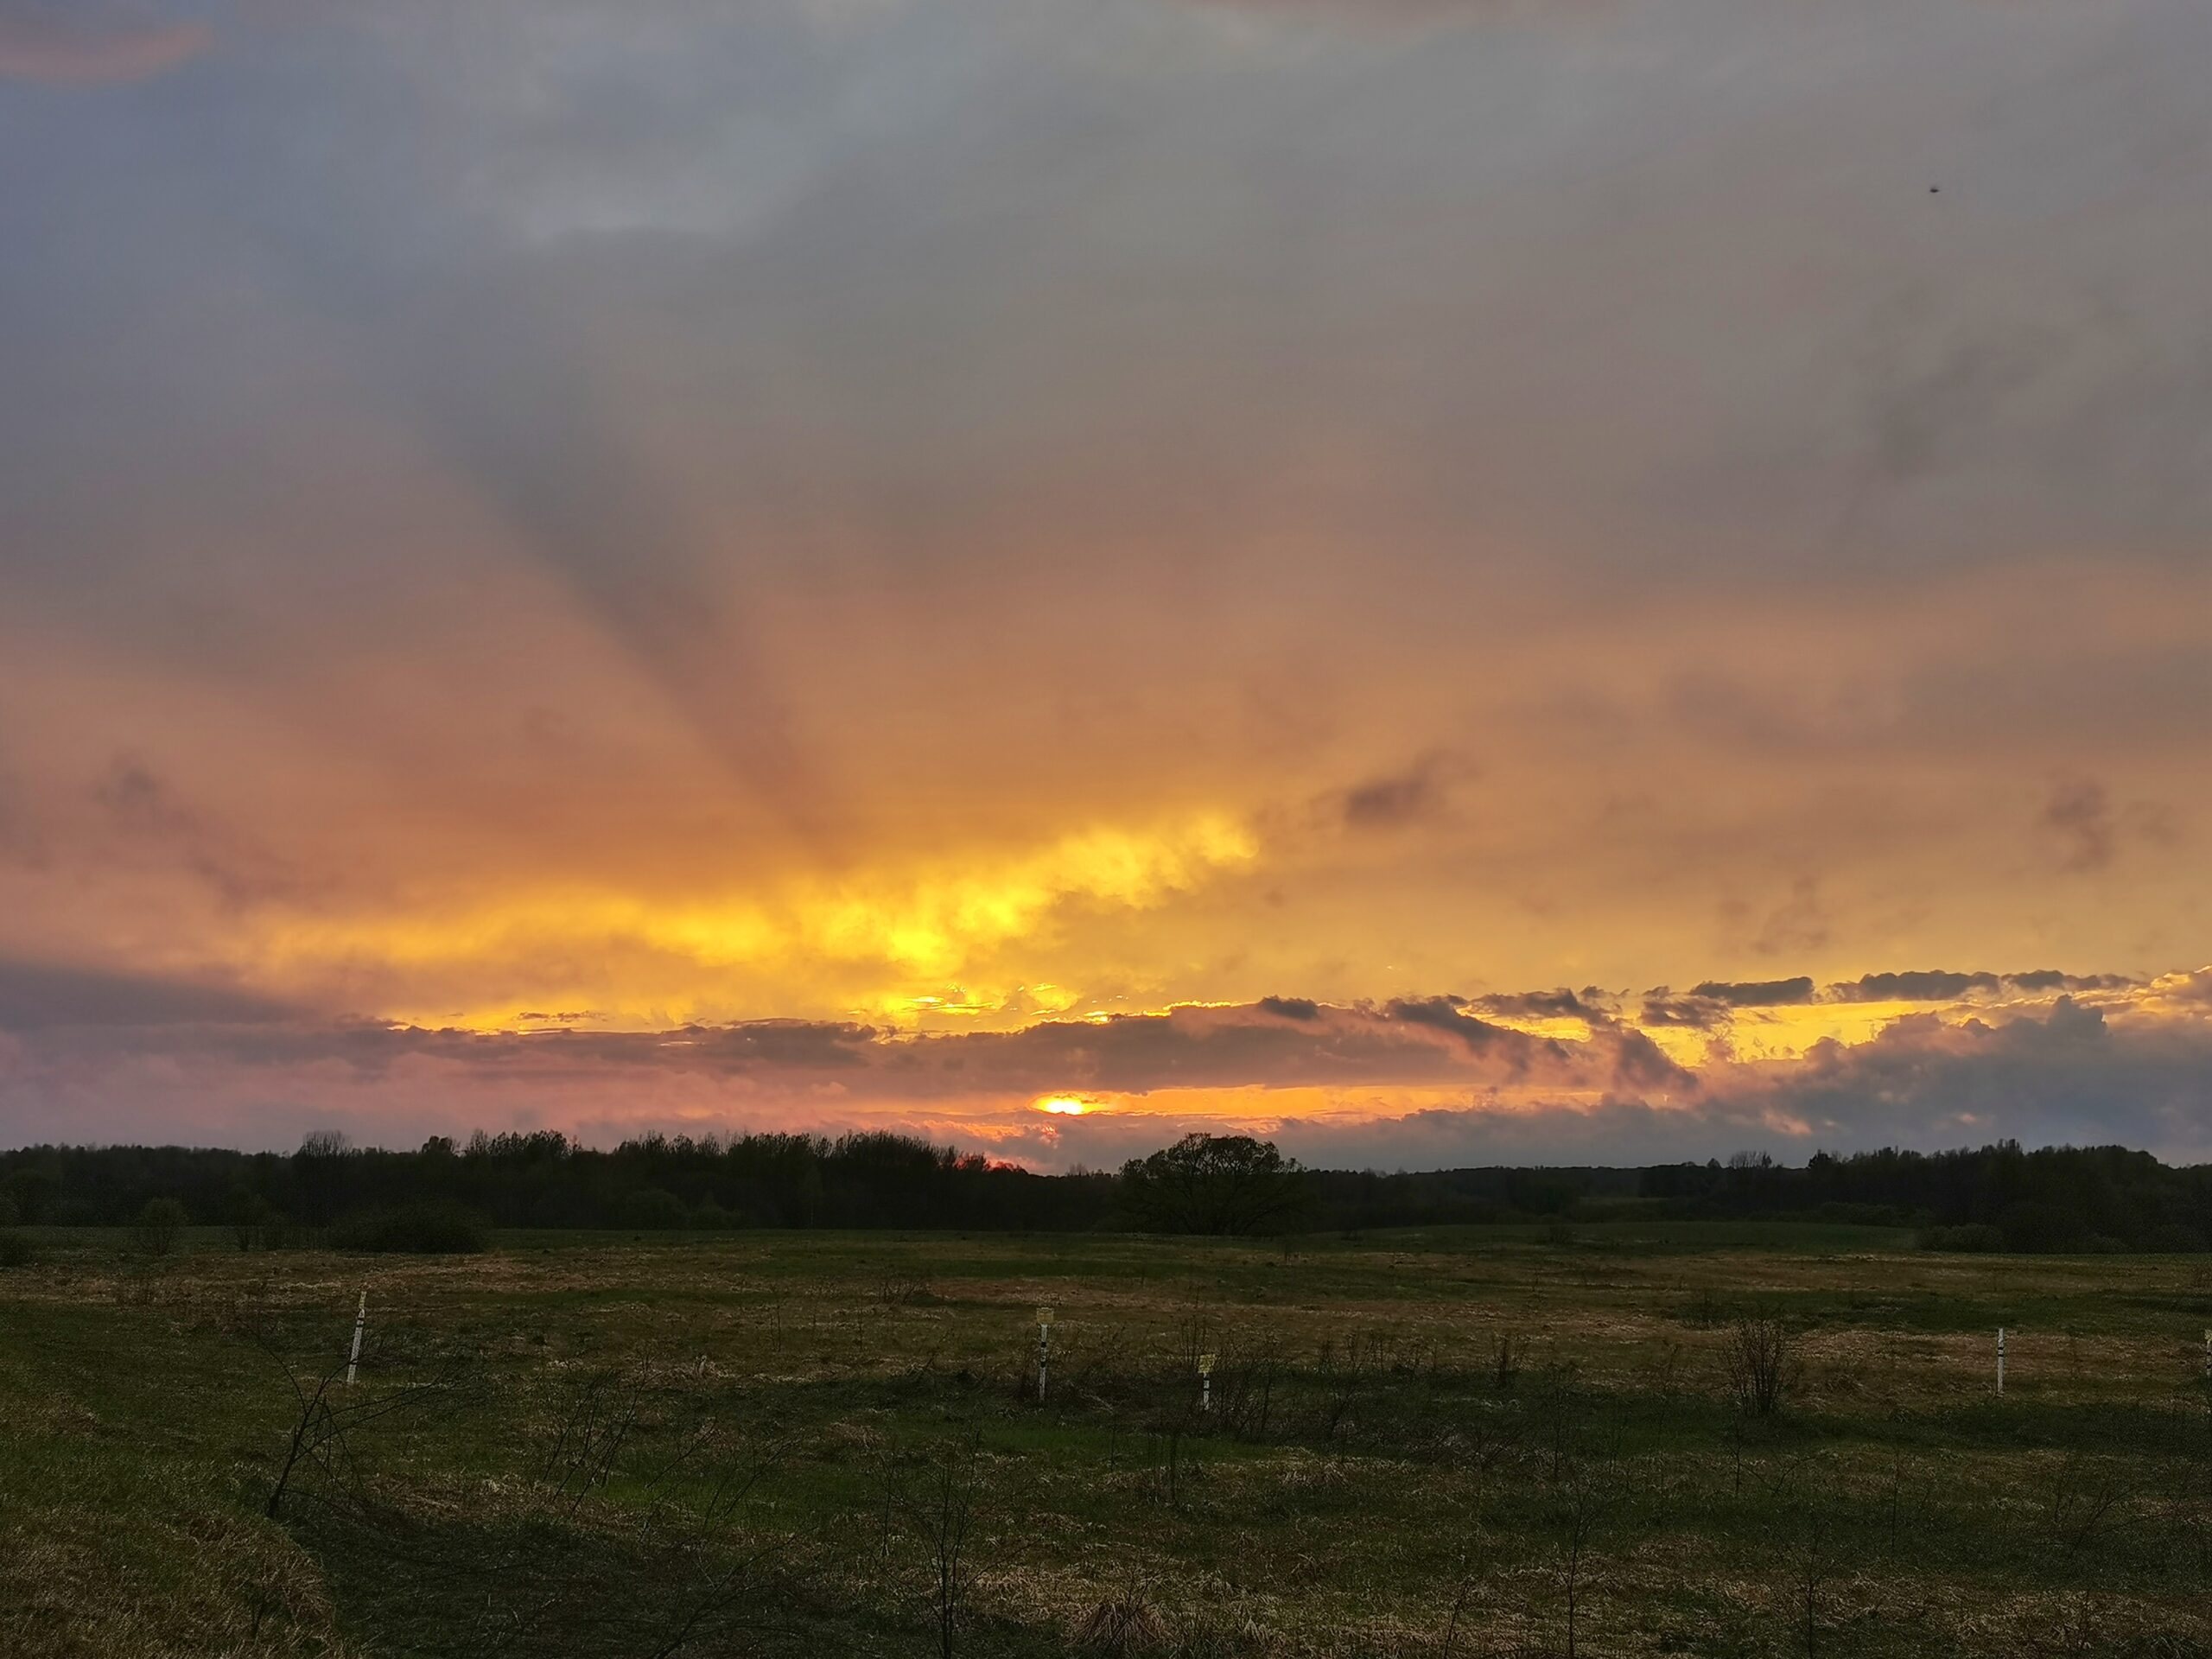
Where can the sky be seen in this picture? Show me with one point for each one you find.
(1447, 581)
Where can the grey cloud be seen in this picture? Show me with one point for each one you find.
(1561, 1004)
(1640, 1066)
(1421, 793)
(2066, 1077)
(153, 819)
(91, 42)
(1799, 924)
(2049, 979)
(2079, 818)
(1756, 993)
(1938, 985)
(45, 996)
(2086, 830)
(1931, 985)
(1661, 1009)
(1445, 1014)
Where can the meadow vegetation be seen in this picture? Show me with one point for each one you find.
(1626, 1437)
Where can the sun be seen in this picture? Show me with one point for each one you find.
(1065, 1105)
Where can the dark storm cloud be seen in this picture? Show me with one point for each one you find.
(1447, 1014)
(2049, 979)
(1711, 1003)
(1185, 1048)
(1421, 793)
(1640, 1067)
(1561, 1004)
(1756, 993)
(1927, 986)
(2067, 1076)
(1290, 1007)
(43, 995)
(1241, 1047)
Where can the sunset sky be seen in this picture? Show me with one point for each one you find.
(1448, 580)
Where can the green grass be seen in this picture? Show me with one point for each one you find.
(746, 1442)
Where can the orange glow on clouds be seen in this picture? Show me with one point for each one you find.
(880, 944)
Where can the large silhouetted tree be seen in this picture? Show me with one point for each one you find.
(1214, 1184)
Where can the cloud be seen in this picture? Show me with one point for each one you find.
(149, 819)
(2067, 1076)
(45, 996)
(1711, 1003)
(2078, 817)
(1561, 1004)
(1756, 993)
(2086, 831)
(1419, 793)
(950, 438)
(44, 43)
(1931, 985)
(1660, 1009)
(1800, 924)
(1413, 1082)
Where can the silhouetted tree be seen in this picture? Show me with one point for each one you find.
(1214, 1184)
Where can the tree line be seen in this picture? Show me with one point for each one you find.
(1998, 1197)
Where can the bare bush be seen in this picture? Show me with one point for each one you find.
(159, 1226)
(1761, 1366)
(937, 1497)
(1506, 1351)
(904, 1287)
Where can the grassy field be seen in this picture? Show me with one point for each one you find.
(1483, 1441)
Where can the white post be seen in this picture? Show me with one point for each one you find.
(361, 1319)
(2000, 1361)
(1205, 1382)
(1044, 1350)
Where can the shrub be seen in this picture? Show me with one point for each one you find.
(277, 1231)
(649, 1207)
(2038, 1228)
(1761, 1366)
(431, 1227)
(242, 1211)
(1121, 1625)
(10, 1215)
(1975, 1236)
(1215, 1184)
(158, 1226)
(14, 1250)
(2175, 1238)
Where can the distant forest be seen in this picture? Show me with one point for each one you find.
(1997, 1198)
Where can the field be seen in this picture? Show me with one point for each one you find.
(1454, 1442)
